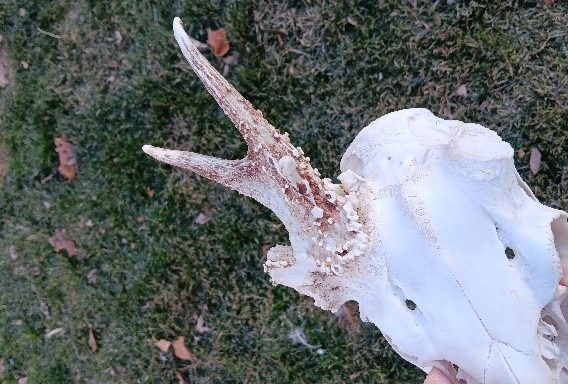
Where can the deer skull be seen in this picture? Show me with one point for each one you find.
(431, 230)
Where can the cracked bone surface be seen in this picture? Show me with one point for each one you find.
(431, 230)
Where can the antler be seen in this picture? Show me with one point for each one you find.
(318, 214)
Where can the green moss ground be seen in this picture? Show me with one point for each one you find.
(314, 74)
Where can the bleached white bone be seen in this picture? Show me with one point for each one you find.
(431, 230)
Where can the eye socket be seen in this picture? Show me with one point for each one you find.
(410, 304)
(509, 253)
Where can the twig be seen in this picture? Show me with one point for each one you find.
(48, 33)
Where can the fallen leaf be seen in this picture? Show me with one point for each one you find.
(203, 217)
(78, 377)
(13, 253)
(92, 276)
(200, 324)
(23, 380)
(461, 91)
(347, 313)
(92, 340)
(180, 349)
(549, 2)
(163, 345)
(180, 378)
(534, 161)
(521, 153)
(2, 366)
(150, 192)
(59, 243)
(54, 332)
(4, 82)
(351, 20)
(67, 161)
(217, 40)
(22, 12)
(25, 65)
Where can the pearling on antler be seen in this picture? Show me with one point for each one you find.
(431, 230)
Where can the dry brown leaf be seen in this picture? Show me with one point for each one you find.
(534, 161)
(351, 20)
(2, 367)
(203, 217)
(217, 40)
(163, 345)
(179, 376)
(4, 82)
(67, 161)
(23, 380)
(92, 340)
(59, 243)
(461, 91)
(180, 349)
(347, 313)
(521, 153)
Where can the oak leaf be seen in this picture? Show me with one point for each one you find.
(180, 349)
(60, 243)
(92, 341)
(163, 345)
(217, 40)
(67, 160)
(534, 160)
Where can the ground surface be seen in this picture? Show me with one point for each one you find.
(319, 70)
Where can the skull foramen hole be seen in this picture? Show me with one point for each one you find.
(410, 304)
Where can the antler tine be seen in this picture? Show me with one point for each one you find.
(268, 151)
(279, 176)
(250, 122)
(226, 172)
